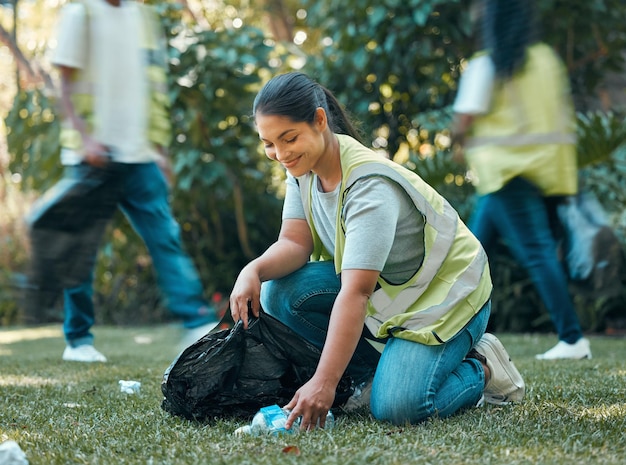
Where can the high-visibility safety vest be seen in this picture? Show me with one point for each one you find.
(452, 284)
(529, 131)
(154, 49)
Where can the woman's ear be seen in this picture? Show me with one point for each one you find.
(321, 119)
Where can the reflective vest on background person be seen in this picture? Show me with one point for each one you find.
(530, 130)
(155, 52)
(452, 284)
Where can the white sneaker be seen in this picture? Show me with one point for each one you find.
(579, 350)
(505, 384)
(83, 353)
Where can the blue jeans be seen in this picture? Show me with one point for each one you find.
(412, 381)
(143, 199)
(518, 214)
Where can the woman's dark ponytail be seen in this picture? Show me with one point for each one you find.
(297, 97)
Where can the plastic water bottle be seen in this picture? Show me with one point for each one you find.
(272, 419)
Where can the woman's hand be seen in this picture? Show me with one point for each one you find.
(311, 402)
(245, 296)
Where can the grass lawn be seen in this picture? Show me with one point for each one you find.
(71, 413)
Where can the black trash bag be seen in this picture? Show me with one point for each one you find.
(65, 228)
(234, 372)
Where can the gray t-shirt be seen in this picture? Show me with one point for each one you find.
(384, 230)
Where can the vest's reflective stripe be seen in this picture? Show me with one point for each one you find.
(458, 292)
(519, 140)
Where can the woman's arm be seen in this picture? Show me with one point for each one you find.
(315, 398)
(290, 252)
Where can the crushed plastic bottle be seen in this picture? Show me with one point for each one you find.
(272, 419)
(129, 386)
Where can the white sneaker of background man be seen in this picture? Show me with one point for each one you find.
(577, 351)
(83, 353)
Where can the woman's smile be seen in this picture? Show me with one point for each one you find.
(292, 162)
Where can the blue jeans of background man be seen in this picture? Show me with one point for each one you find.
(144, 201)
(518, 214)
(412, 381)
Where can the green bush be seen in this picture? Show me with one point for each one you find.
(13, 248)
(222, 194)
(394, 66)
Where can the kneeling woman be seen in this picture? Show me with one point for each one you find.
(373, 266)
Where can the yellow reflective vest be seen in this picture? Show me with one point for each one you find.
(529, 131)
(452, 284)
(154, 48)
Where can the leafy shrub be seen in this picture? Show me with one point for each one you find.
(13, 248)
(222, 194)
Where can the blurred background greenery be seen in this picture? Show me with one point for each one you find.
(394, 64)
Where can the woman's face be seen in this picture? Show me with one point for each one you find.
(296, 146)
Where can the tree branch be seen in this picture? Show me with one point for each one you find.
(30, 74)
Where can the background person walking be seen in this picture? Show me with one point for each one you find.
(514, 123)
(112, 60)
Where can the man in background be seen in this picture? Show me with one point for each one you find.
(112, 61)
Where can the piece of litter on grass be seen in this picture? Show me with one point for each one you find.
(129, 387)
(143, 340)
(71, 405)
(293, 450)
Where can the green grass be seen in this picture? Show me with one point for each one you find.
(72, 413)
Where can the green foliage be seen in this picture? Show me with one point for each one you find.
(395, 65)
(13, 248)
(228, 213)
(221, 197)
(600, 136)
(390, 62)
(602, 157)
(589, 36)
(33, 139)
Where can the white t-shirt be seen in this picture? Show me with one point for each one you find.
(108, 42)
(475, 87)
(384, 230)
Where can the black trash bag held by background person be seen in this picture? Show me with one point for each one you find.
(65, 227)
(235, 372)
